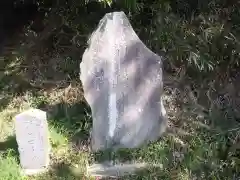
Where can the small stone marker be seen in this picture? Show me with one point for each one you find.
(33, 142)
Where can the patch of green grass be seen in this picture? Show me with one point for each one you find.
(66, 162)
(201, 153)
(57, 137)
(9, 166)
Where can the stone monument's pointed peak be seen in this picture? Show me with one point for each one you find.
(117, 13)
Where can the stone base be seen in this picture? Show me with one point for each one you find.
(109, 170)
(30, 172)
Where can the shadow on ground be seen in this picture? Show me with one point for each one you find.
(10, 144)
(60, 171)
(75, 120)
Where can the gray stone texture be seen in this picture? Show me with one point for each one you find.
(33, 140)
(122, 82)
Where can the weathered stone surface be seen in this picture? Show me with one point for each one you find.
(122, 82)
(33, 142)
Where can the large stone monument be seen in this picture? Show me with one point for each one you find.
(33, 142)
(122, 82)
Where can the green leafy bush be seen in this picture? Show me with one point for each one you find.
(200, 35)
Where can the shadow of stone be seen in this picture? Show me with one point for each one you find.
(121, 155)
(62, 171)
(10, 144)
(75, 119)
